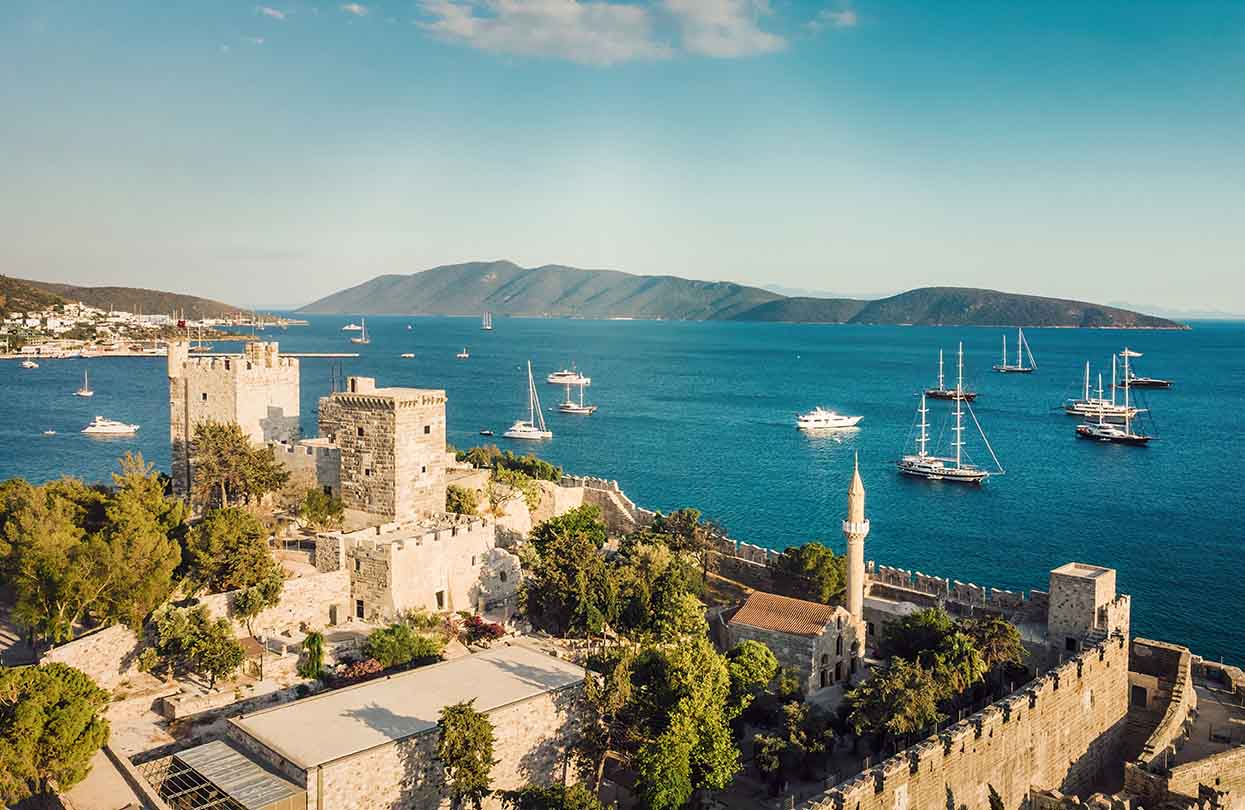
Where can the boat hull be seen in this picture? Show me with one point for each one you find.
(1088, 433)
(582, 410)
(946, 393)
(933, 471)
(1013, 370)
(1147, 382)
(843, 423)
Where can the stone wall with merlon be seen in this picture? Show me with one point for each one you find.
(1058, 732)
(314, 461)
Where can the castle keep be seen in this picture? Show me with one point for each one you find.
(257, 391)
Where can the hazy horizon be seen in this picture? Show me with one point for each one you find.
(272, 154)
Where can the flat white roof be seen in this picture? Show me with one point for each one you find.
(342, 722)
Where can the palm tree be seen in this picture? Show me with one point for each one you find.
(961, 663)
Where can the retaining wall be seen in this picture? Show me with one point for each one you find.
(304, 600)
(108, 655)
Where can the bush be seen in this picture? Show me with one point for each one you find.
(357, 671)
(320, 510)
(490, 457)
(461, 501)
(478, 631)
(398, 645)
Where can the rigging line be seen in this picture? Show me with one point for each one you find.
(984, 439)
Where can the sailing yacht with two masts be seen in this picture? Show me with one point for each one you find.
(943, 392)
(1099, 406)
(1105, 431)
(534, 426)
(362, 338)
(948, 468)
(571, 406)
(486, 322)
(1019, 367)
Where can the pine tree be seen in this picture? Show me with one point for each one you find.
(465, 748)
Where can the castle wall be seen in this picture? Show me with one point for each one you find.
(311, 460)
(108, 655)
(305, 600)
(1060, 732)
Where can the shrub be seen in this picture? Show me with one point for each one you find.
(461, 501)
(321, 510)
(479, 631)
(398, 645)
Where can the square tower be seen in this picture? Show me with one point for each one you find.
(392, 444)
(257, 390)
(1083, 605)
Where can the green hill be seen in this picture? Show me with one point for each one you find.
(22, 296)
(136, 299)
(505, 288)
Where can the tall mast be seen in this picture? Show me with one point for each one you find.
(1004, 363)
(1086, 396)
(1127, 419)
(924, 429)
(1020, 342)
(959, 404)
(941, 387)
(1112, 378)
(531, 396)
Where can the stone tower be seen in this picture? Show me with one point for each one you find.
(257, 390)
(855, 529)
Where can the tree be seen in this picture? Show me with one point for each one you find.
(958, 664)
(769, 753)
(916, 634)
(465, 748)
(751, 666)
(250, 602)
(229, 469)
(605, 698)
(461, 501)
(811, 571)
(191, 640)
(313, 664)
(321, 510)
(550, 797)
(683, 533)
(51, 724)
(397, 645)
(997, 639)
(215, 653)
(568, 588)
(898, 700)
(228, 551)
(505, 486)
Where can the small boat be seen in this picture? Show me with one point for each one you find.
(408, 355)
(570, 406)
(1148, 382)
(943, 392)
(486, 432)
(1104, 431)
(28, 363)
(352, 327)
(408, 327)
(109, 427)
(922, 464)
(568, 376)
(1019, 367)
(821, 419)
(85, 390)
(464, 354)
(362, 339)
(49, 433)
(532, 428)
(486, 323)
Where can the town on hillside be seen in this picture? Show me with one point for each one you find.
(369, 619)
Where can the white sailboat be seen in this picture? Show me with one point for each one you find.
(923, 464)
(362, 338)
(464, 354)
(1099, 406)
(1104, 431)
(486, 323)
(533, 428)
(1019, 368)
(570, 406)
(85, 390)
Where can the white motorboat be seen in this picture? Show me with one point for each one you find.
(571, 406)
(362, 339)
(109, 427)
(821, 419)
(464, 354)
(49, 433)
(28, 363)
(568, 376)
(532, 428)
(955, 468)
(352, 327)
(85, 390)
(407, 355)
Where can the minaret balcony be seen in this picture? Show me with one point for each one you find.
(853, 528)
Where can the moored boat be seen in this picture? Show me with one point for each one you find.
(100, 426)
(943, 392)
(820, 418)
(1019, 366)
(532, 428)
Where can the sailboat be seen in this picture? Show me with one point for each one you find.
(1019, 367)
(1099, 406)
(943, 392)
(940, 468)
(362, 338)
(85, 390)
(486, 323)
(534, 426)
(1104, 431)
(570, 406)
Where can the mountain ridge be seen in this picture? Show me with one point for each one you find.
(130, 299)
(551, 290)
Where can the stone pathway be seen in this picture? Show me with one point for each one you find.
(13, 650)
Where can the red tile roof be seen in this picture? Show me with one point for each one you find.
(782, 614)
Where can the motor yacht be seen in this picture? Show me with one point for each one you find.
(568, 377)
(28, 363)
(109, 427)
(821, 419)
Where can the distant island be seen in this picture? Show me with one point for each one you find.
(505, 288)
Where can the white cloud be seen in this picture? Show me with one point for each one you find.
(834, 18)
(724, 28)
(596, 33)
(356, 9)
(268, 11)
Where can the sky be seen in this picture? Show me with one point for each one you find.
(272, 154)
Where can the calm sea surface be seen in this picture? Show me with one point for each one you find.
(702, 414)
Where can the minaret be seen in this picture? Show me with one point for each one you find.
(855, 529)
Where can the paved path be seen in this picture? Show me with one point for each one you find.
(13, 650)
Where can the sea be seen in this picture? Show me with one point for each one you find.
(702, 414)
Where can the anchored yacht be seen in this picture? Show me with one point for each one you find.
(1019, 366)
(943, 392)
(532, 428)
(28, 363)
(109, 427)
(568, 377)
(821, 419)
(352, 327)
(85, 390)
(571, 406)
(464, 354)
(1105, 431)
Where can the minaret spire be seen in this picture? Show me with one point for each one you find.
(855, 529)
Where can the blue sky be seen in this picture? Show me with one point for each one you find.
(270, 154)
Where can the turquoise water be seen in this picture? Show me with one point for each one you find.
(702, 414)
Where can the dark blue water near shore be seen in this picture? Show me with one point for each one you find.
(702, 414)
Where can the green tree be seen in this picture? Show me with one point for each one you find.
(465, 748)
(229, 468)
(313, 664)
(917, 634)
(769, 752)
(811, 571)
(248, 603)
(321, 510)
(550, 797)
(997, 639)
(398, 644)
(228, 551)
(751, 666)
(900, 699)
(215, 653)
(606, 698)
(461, 500)
(505, 486)
(567, 587)
(959, 664)
(190, 640)
(51, 724)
